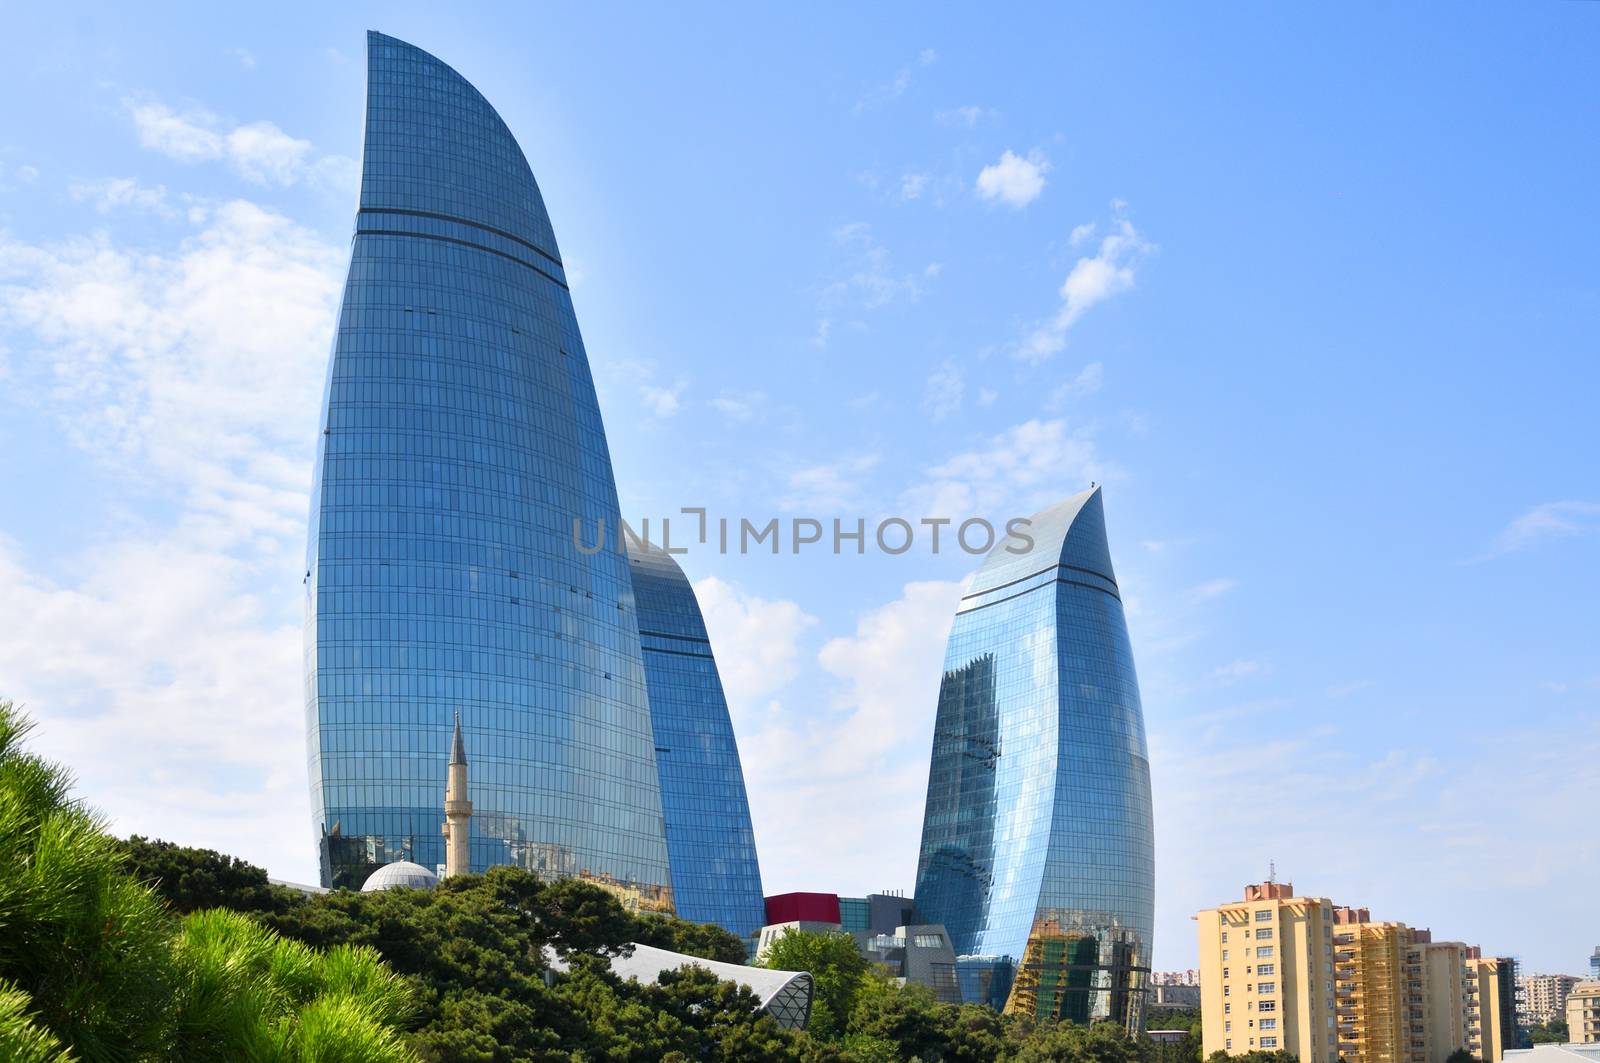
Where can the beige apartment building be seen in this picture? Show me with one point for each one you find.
(1544, 996)
(1266, 974)
(1444, 981)
(1324, 982)
(1377, 989)
(1491, 1005)
(1583, 1013)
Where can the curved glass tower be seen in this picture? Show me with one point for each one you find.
(1037, 843)
(460, 440)
(715, 877)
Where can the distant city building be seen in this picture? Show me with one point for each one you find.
(1543, 997)
(1266, 975)
(884, 930)
(1175, 995)
(1189, 977)
(1583, 1013)
(1037, 845)
(1594, 963)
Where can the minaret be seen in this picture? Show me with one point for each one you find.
(457, 810)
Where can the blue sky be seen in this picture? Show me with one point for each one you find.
(1314, 296)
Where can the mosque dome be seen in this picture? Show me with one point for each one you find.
(402, 874)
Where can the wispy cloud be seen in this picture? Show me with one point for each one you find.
(868, 280)
(1013, 180)
(1546, 522)
(113, 193)
(1214, 588)
(1234, 671)
(962, 117)
(1016, 472)
(942, 395)
(1092, 281)
(1087, 381)
(260, 152)
(153, 663)
(830, 487)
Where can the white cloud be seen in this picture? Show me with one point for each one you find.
(927, 57)
(961, 117)
(185, 137)
(1550, 520)
(1214, 588)
(738, 405)
(942, 396)
(260, 152)
(1236, 670)
(877, 723)
(1081, 234)
(1092, 281)
(265, 154)
(663, 401)
(156, 667)
(1014, 180)
(244, 57)
(1018, 472)
(1087, 382)
(756, 642)
(986, 397)
(912, 185)
(866, 281)
(828, 488)
(111, 193)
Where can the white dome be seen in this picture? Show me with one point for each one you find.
(400, 875)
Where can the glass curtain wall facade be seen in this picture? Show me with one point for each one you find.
(460, 440)
(710, 843)
(1037, 842)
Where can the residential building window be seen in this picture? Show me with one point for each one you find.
(1228, 1044)
(1224, 937)
(1269, 1024)
(1226, 990)
(1268, 1005)
(1267, 987)
(1269, 1042)
(1266, 968)
(1227, 1025)
(1264, 916)
(1227, 1009)
(1224, 955)
(1263, 933)
(1264, 952)
(1225, 971)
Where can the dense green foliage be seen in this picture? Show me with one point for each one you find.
(1546, 1033)
(144, 950)
(1460, 1055)
(94, 966)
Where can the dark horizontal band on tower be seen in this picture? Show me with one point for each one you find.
(458, 220)
(1039, 572)
(466, 243)
(1041, 586)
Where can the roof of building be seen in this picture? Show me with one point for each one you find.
(402, 874)
(785, 995)
(1568, 1053)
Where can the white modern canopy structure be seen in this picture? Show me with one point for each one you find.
(785, 995)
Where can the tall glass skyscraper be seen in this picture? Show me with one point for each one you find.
(1037, 843)
(460, 440)
(710, 844)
